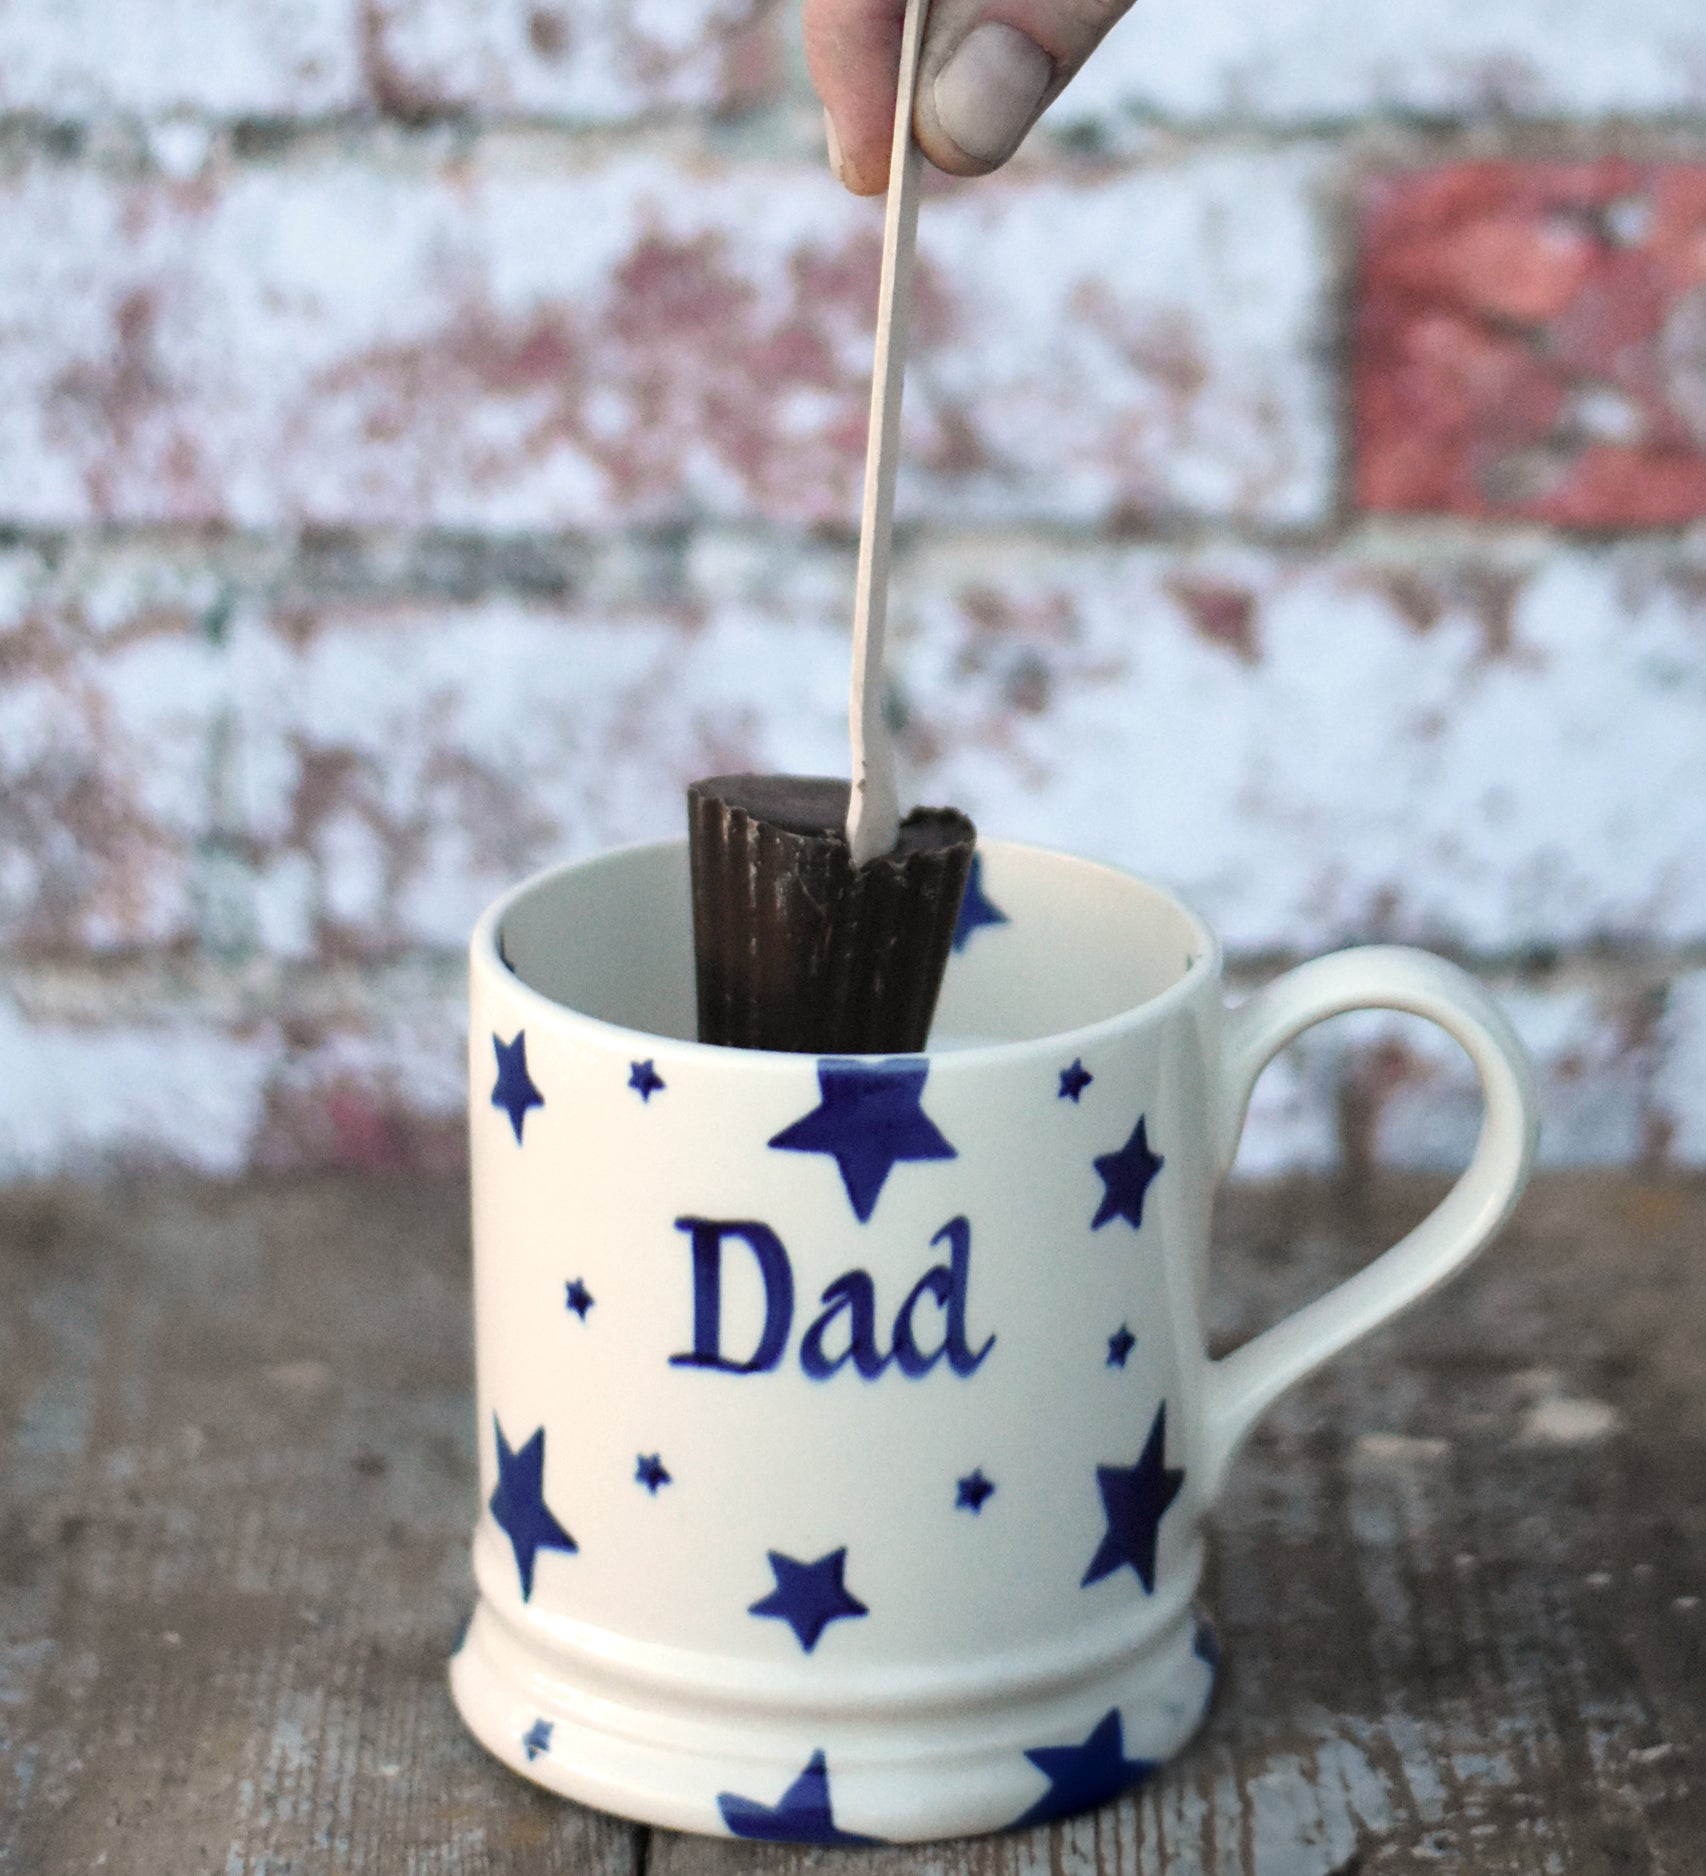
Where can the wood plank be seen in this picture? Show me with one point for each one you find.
(1460, 1577)
(234, 1549)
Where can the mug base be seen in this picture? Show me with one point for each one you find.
(873, 1778)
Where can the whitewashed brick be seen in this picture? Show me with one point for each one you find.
(519, 341)
(401, 767)
(381, 1081)
(1498, 756)
(109, 697)
(1309, 61)
(584, 60)
(1147, 345)
(1406, 1095)
(1493, 759)
(1482, 756)
(91, 1098)
(217, 1072)
(1315, 750)
(1680, 1097)
(70, 59)
(374, 1076)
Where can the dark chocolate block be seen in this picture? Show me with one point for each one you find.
(796, 948)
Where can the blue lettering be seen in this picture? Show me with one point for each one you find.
(707, 1352)
(855, 1297)
(850, 1309)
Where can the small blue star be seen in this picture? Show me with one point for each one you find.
(1120, 1345)
(975, 909)
(537, 1739)
(649, 1471)
(1125, 1176)
(1086, 1775)
(800, 1815)
(809, 1596)
(1133, 1501)
(515, 1092)
(1073, 1081)
(578, 1297)
(644, 1078)
(974, 1488)
(518, 1504)
(868, 1118)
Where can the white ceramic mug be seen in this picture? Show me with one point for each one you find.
(846, 1425)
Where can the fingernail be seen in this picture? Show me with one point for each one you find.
(988, 91)
(834, 145)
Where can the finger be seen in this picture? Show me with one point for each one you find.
(853, 54)
(990, 68)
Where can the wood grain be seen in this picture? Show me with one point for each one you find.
(1460, 1577)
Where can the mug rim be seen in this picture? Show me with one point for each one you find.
(484, 954)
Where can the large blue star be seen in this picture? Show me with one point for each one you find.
(809, 1596)
(1086, 1775)
(1133, 1500)
(515, 1092)
(1125, 1177)
(975, 908)
(519, 1505)
(800, 1815)
(868, 1118)
(537, 1739)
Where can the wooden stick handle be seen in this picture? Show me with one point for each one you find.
(873, 810)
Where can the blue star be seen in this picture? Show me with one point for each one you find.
(1133, 1500)
(644, 1078)
(1086, 1775)
(515, 1092)
(578, 1297)
(1120, 1345)
(649, 1471)
(1125, 1176)
(1073, 1081)
(868, 1118)
(537, 1739)
(519, 1506)
(975, 909)
(974, 1488)
(800, 1815)
(809, 1596)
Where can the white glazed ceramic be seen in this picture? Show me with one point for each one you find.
(846, 1427)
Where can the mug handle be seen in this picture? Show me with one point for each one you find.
(1241, 1386)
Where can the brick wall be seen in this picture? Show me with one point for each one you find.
(430, 434)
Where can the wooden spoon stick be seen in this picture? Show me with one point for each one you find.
(873, 809)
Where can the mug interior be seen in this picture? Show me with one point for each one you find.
(1074, 943)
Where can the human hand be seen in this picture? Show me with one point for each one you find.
(987, 71)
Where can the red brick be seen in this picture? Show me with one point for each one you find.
(1530, 343)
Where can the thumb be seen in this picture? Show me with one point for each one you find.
(990, 68)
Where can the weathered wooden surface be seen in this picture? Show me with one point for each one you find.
(1460, 1577)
